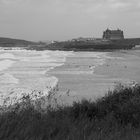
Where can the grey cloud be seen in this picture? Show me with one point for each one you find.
(53, 19)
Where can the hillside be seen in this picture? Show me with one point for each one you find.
(9, 42)
(97, 44)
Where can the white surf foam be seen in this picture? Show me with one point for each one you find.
(31, 69)
(7, 56)
(47, 56)
(5, 64)
(7, 78)
(16, 94)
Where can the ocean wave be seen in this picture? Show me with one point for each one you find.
(29, 74)
(73, 72)
(7, 56)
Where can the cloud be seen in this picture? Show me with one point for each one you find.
(116, 4)
(119, 4)
(65, 17)
(7, 2)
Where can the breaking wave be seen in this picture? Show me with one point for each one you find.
(24, 72)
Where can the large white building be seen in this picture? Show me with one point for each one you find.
(113, 34)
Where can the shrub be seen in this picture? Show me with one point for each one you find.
(114, 116)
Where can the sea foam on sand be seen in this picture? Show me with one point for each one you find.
(28, 75)
(16, 94)
(25, 72)
(84, 63)
(7, 78)
(5, 64)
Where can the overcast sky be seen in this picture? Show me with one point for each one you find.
(65, 19)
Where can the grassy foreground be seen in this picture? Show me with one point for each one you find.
(116, 116)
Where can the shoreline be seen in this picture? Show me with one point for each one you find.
(91, 74)
(105, 77)
(126, 66)
(84, 83)
(30, 69)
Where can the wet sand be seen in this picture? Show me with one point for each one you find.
(85, 75)
(119, 67)
(127, 67)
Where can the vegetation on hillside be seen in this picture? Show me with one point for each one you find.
(94, 45)
(9, 42)
(116, 116)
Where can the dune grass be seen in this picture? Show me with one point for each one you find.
(116, 116)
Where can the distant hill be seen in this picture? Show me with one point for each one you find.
(9, 42)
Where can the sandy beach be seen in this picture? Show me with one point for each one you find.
(127, 67)
(24, 72)
(77, 80)
(77, 75)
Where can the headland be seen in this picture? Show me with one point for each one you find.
(111, 40)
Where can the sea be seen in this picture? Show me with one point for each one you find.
(23, 72)
(26, 72)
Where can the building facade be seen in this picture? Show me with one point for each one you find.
(113, 34)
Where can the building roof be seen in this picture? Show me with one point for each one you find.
(113, 31)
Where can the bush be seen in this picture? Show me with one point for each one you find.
(114, 116)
